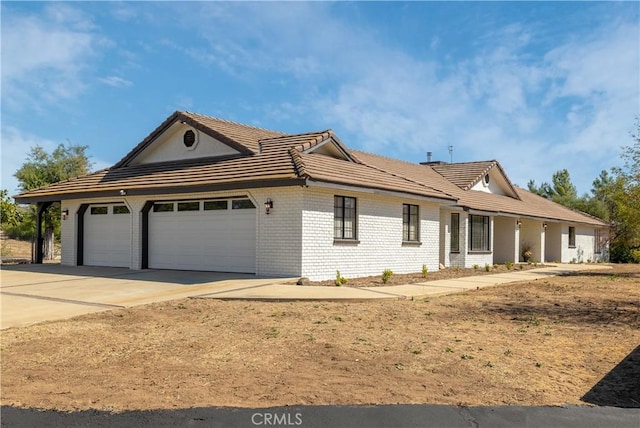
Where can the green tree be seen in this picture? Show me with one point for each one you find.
(42, 168)
(10, 213)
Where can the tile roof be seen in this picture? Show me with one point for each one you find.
(529, 204)
(464, 175)
(270, 158)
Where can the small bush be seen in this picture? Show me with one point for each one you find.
(521, 267)
(386, 275)
(487, 268)
(340, 280)
(508, 265)
(425, 271)
(475, 267)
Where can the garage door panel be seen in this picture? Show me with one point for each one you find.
(217, 240)
(107, 238)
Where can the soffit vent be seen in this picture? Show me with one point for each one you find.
(189, 139)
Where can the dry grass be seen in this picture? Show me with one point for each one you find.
(543, 342)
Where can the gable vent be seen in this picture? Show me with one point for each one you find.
(189, 139)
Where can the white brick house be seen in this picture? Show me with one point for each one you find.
(201, 193)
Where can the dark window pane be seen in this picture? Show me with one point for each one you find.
(99, 210)
(410, 222)
(242, 204)
(344, 220)
(215, 205)
(572, 236)
(189, 206)
(163, 207)
(120, 209)
(480, 233)
(455, 232)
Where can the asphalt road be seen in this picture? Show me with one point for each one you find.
(388, 416)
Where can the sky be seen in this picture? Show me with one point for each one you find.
(538, 86)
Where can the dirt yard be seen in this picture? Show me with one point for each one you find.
(547, 342)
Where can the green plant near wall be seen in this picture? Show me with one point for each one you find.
(425, 271)
(340, 280)
(386, 275)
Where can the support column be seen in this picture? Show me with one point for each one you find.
(41, 208)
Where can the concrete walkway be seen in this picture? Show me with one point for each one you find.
(36, 293)
(284, 292)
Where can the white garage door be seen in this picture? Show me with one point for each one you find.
(210, 235)
(107, 235)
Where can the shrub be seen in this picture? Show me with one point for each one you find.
(340, 280)
(508, 265)
(386, 275)
(487, 268)
(425, 271)
(475, 267)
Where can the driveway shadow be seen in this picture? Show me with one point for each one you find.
(620, 387)
(154, 275)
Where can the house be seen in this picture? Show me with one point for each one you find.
(201, 193)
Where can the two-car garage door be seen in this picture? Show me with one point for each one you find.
(209, 235)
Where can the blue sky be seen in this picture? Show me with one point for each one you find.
(539, 86)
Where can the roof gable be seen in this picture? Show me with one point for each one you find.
(221, 138)
(484, 176)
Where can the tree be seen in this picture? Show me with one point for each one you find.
(41, 169)
(10, 214)
(561, 190)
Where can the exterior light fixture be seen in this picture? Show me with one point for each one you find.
(65, 214)
(123, 192)
(544, 225)
(519, 223)
(268, 206)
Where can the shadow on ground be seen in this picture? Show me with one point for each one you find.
(172, 276)
(620, 387)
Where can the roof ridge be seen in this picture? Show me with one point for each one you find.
(464, 163)
(232, 122)
(296, 135)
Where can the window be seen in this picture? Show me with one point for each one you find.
(479, 233)
(120, 209)
(597, 241)
(572, 237)
(163, 207)
(215, 205)
(242, 204)
(189, 206)
(99, 210)
(455, 232)
(410, 219)
(344, 217)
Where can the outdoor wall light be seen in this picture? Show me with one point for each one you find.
(268, 206)
(544, 225)
(518, 223)
(65, 214)
(123, 192)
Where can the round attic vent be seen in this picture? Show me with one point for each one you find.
(189, 139)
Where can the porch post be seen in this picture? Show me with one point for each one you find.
(41, 208)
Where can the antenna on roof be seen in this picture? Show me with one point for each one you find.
(451, 152)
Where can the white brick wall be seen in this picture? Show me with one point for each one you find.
(585, 245)
(379, 233)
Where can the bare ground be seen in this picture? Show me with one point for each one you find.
(543, 342)
(412, 278)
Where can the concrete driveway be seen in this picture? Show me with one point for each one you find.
(36, 293)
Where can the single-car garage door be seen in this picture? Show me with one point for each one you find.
(210, 235)
(107, 235)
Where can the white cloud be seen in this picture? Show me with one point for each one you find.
(115, 81)
(43, 57)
